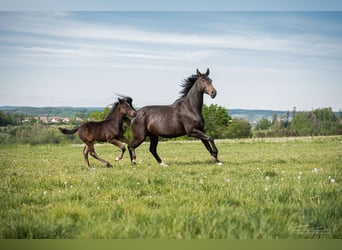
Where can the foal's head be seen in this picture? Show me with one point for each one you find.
(125, 106)
(205, 83)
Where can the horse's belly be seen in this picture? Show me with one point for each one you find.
(165, 128)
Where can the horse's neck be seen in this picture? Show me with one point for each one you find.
(194, 98)
(115, 116)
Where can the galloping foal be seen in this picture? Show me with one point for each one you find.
(109, 130)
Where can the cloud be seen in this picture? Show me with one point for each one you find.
(61, 27)
(244, 53)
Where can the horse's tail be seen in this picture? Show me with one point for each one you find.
(68, 131)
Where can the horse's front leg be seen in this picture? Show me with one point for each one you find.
(208, 142)
(122, 147)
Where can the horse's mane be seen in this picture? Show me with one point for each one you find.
(112, 110)
(127, 99)
(187, 85)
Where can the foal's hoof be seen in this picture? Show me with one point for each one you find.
(117, 158)
(108, 165)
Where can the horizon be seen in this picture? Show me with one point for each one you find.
(258, 60)
(100, 107)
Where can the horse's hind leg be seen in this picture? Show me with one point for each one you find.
(134, 144)
(153, 149)
(85, 154)
(93, 154)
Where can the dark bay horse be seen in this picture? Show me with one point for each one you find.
(183, 117)
(109, 130)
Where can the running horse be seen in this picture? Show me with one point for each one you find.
(109, 130)
(183, 117)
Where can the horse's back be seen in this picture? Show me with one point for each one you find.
(93, 131)
(162, 120)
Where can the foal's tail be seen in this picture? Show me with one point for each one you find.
(68, 131)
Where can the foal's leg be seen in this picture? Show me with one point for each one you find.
(153, 149)
(118, 144)
(93, 154)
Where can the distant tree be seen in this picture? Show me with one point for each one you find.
(239, 128)
(216, 120)
(10, 118)
(318, 122)
(302, 124)
(263, 124)
(99, 115)
(274, 119)
(286, 120)
(294, 110)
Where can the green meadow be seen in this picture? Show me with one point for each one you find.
(288, 188)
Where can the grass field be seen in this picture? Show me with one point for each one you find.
(271, 188)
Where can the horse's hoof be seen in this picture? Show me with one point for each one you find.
(133, 163)
(109, 165)
(163, 164)
(117, 158)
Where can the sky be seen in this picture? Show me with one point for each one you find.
(257, 60)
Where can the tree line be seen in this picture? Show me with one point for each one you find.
(322, 121)
(218, 124)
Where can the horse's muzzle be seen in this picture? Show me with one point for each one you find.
(213, 93)
(133, 113)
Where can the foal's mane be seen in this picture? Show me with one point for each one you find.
(112, 110)
(187, 85)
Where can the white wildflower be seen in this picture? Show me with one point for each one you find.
(332, 180)
(201, 181)
(45, 192)
(299, 177)
(315, 171)
(266, 188)
(267, 178)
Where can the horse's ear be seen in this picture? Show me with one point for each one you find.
(120, 100)
(198, 73)
(207, 73)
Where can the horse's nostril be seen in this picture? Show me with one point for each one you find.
(213, 93)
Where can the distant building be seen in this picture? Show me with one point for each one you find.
(44, 119)
(56, 119)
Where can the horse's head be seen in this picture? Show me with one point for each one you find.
(205, 83)
(125, 106)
